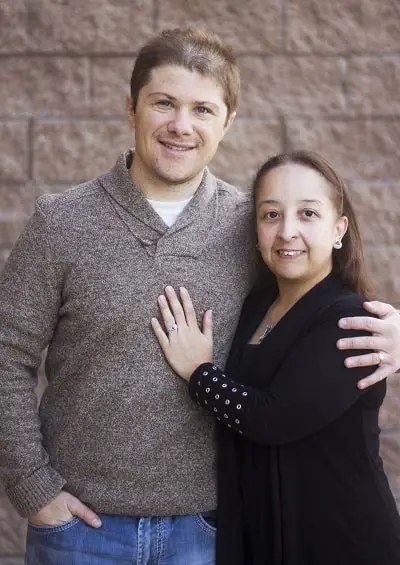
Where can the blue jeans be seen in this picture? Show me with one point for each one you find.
(124, 540)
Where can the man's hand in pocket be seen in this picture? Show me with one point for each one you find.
(63, 509)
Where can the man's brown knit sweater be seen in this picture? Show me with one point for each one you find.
(116, 426)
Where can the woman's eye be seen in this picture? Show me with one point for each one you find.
(271, 215)
(309, 213)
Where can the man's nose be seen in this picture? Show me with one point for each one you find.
(181, 123)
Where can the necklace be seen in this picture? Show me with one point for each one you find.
(268, 327)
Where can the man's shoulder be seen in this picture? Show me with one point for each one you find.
(233, 193)
(72, 200)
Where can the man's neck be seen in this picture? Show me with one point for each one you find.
(155, 188)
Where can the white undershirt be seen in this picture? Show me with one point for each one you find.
(169, 211)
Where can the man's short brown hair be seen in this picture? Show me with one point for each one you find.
(195, 50)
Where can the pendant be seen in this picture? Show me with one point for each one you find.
(265, 332)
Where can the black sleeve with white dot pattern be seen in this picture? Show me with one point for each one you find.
(309, 391)
(224, 398)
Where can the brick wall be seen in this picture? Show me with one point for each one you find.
(322, 74)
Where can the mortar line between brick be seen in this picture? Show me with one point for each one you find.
(284, 28)
(342, 117)
(30, 148)
(344, 71)
(28, 8)
(91, 86)
(284, 132)
(68, 55)
(76, 120)
(265, 54)
(156, 15)
(322, 56)
(349, 117)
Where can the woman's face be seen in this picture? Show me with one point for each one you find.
(297, 224)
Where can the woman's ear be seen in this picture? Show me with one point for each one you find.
(341, 227)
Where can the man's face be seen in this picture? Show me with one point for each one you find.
(179, 120)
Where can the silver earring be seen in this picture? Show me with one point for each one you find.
(338, 244)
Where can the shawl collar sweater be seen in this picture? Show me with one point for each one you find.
(116, 426)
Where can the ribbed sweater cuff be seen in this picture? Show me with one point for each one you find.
(37, 490)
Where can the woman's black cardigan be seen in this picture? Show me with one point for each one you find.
(300, 480)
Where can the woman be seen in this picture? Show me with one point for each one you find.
(300, 478)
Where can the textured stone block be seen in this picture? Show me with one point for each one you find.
(13, 22)
(384, 265)
(12, 529)
(100, 26)
(373, 86)
(4, 253)
(359, 149)
(246, 146)
(11, 225)
(16, 198)
(21, 198)
(296, 86)
(378, 211)
(111, 84)
(253, 25)
(71, 152)
(44, 86)
(390, 452)
(13, 151)
(342, 26)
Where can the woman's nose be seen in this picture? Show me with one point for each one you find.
(288, 229)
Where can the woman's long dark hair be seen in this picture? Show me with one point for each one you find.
(348, 262)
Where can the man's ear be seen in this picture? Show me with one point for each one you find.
(229, 121)
(130, 111)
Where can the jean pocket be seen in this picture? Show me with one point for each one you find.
(54, 529)
(208, 520)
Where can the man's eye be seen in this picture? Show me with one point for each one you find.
(203, 110)
(164, 103)
(309, 213)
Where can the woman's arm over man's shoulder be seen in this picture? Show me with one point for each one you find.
(312, 388)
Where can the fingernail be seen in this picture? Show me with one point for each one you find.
(97, 523)
(169, 288)
(340, 344)
(343, 323)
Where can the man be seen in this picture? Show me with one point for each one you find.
(118, 467)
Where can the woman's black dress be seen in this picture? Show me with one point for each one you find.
(299, 475)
